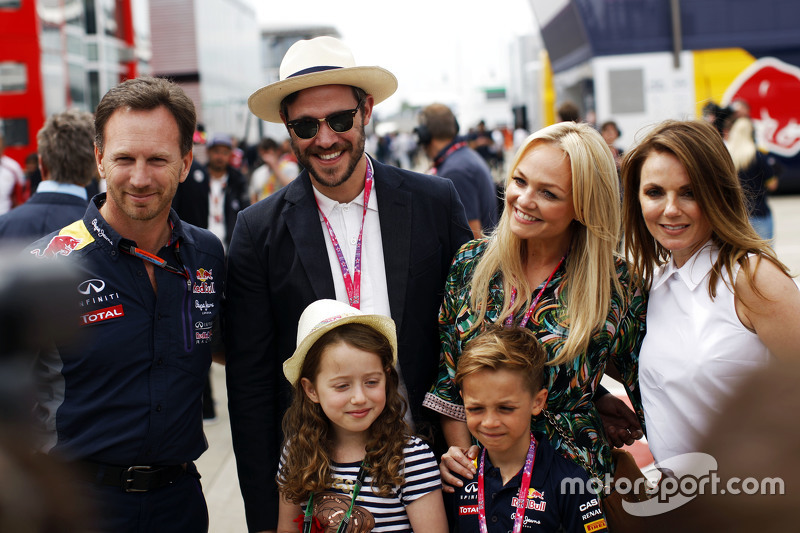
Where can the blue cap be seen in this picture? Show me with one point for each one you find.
(219, 139)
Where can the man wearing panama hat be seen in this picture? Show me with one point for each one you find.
(348, 228)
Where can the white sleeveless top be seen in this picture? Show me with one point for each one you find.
(694, 355)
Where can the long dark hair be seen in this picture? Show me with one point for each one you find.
(715, 184)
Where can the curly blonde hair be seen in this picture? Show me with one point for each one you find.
(307, 446)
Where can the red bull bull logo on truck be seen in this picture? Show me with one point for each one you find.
(771, 88)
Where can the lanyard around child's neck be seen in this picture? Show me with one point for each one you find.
(307, 517)
(522, 497)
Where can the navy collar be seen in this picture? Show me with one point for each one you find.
(443, 154)
(544, 459)
(107, 236)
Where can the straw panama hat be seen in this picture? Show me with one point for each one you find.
(315, 62)
(322, 316)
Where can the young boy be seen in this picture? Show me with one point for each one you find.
(501, 374)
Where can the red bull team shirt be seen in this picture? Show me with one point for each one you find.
(549, 506)
(128, 390)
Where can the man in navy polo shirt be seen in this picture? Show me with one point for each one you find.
(452, 158)
(123, 403)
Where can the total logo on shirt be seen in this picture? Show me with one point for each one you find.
(101, 315)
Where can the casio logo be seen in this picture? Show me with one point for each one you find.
(590, 503)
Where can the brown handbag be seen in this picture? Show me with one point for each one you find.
(619, 520)
(625, 467)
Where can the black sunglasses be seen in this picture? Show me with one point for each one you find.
(340, 122)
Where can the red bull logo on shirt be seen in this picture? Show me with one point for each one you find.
(771, 87)
(533, 493)
(58, 245)
(71, 238)
(203, 288)
(528, 504)
(203, 275)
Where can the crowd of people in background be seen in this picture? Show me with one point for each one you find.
(265, 166)
(401, 318)
(12, 181)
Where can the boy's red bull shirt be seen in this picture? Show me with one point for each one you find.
(552, 503)
(128, 390)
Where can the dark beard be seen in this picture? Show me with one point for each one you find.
(354, 155)
(219, 169)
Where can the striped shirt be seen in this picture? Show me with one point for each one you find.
(388, 514)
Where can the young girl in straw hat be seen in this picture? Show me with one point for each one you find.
(349, 462)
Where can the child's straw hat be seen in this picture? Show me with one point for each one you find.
(322, 316)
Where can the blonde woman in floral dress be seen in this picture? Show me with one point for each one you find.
(550, 266)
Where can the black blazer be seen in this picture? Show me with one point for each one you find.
(191, 198)
(278, 264)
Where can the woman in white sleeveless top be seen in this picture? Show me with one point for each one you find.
(721, 304)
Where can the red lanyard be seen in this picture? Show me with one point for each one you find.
(439, 160)
(522, 497)
(535, 300)
(352, 285)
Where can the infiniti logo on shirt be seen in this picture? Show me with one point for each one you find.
(92, 286)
